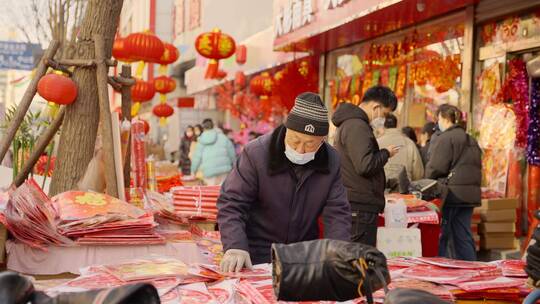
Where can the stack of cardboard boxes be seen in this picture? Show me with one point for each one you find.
(498, 223)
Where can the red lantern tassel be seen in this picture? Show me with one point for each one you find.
(212, 69)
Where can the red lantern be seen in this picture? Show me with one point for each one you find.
(57, 88)
(215, 46)
(119, 50)
(142, 91)
(241, 54)
(164, 84)
(144, 47)
(240, 80)
(170, 54)
(262, 85)
(163, 111)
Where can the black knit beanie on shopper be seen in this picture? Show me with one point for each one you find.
(309, 115)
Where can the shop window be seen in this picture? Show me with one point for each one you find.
(422, 65)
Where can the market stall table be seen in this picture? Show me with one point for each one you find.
(57, 260)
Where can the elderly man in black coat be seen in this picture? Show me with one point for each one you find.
(279, 187)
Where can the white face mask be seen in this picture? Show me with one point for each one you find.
(377, 123)
(299, 158)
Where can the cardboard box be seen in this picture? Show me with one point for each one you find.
(504, 215)
(499, 203)
(502, 227)
(501, 242)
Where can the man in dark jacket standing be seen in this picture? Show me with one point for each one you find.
(362, 162)
(280, 185)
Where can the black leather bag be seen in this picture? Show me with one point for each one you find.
(18, 289)
(15, 288)
(130, 294)
(328, 270)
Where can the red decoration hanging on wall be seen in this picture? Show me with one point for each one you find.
(262, 85)
(214, 45)
(58, 89)
(240, 80)
(241, 54)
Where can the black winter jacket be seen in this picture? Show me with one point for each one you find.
(456, 152)
(184, 161)
(362, 162)
(263, 201)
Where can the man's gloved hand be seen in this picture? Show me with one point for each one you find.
(234, 260)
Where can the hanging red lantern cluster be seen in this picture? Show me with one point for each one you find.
(57, 89)
(163, 111)
(214, 45)
(262, 85)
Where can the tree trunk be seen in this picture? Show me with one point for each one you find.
(79, 130)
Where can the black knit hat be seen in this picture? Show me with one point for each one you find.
(309, 115)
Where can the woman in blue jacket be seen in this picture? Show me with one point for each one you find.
(214, 155)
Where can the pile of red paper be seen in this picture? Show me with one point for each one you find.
(163, 209)
(500, 280)
(29, 217)
(96, 218)
(198, 202)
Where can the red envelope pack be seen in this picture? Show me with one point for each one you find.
(512, 268)
(449, 263)
(223, 292)
(194, 294)
(29, 216)
(77, 205)
(452, 276)
(500, 282)
(150, 269)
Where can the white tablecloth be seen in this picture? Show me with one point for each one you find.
(56, 260)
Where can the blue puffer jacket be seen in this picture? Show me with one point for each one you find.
(214, 154)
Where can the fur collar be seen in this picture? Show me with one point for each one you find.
(279, 162)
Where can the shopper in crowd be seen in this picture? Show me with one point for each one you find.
(408, 156)
(184, 161)
(281, 184)
(362, 162)
(197, 131)
(411, 134)
(214, 155)
(456, 162)
(425, 139)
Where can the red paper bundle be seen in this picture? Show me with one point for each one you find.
(198, 202)
(29, 216)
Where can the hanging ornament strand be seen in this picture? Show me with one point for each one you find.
(533, 131)
(516, 88)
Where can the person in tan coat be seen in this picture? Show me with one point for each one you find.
(408, 156)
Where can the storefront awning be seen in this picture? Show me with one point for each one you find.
(260, 57)
(338, 23)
